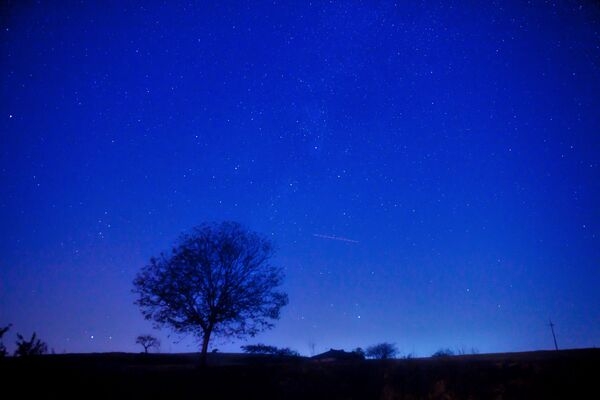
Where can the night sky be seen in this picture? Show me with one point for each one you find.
(429, 172)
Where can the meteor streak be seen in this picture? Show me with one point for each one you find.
(330, 237)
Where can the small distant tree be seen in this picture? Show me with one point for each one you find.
(382, 351)
(2, 347)
(31, 347)
(218, 280)
(148, 342)
(443, 353)
(271, 350)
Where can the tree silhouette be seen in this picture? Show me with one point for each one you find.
(148, 341)
(2, 347)
(382, 351)
(218, 280)
(31, 347)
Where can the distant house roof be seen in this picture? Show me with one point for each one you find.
(337, 355)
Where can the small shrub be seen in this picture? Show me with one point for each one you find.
(443, 353)
(359, 351)
(31, 347)
(271, 350)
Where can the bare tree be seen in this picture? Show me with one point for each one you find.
(382, 351)
(218, 280)
(148, 342)
(31, 347)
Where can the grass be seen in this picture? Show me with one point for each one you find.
(567, 374)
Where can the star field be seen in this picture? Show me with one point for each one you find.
(429, 172)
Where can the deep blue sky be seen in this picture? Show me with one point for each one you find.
(455, 146)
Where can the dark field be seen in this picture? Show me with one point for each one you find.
(567, 374)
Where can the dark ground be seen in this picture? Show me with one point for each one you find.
(566, 374)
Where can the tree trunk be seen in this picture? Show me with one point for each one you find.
(205, 340)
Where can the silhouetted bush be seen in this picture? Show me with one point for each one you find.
(443, 353)
(382, 351)
(272, 350)
(31, 347)
(359, 351)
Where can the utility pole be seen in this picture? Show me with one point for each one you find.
(553, 335)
